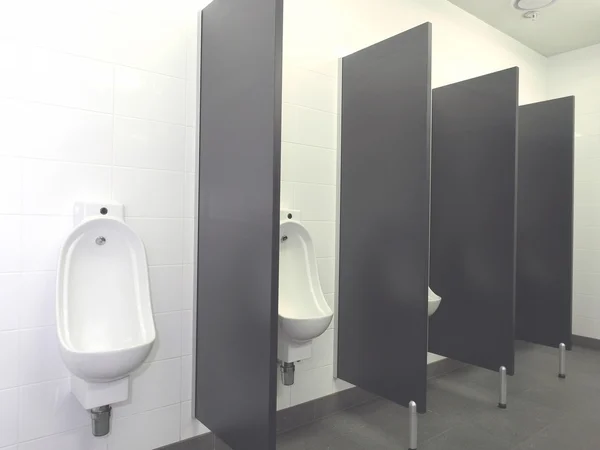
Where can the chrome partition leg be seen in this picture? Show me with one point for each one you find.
(412, 425)
(562, 361)
(502, 402)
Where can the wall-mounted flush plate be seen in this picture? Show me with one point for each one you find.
(289, 214)
(82, 211)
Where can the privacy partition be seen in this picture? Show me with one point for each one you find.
(545, 222)
(384, 217)
(238, 221)
(473, 220)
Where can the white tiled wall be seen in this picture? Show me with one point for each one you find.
(316, 34)
(578, 73)
(97, 103)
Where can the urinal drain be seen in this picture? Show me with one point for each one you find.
(100, 240)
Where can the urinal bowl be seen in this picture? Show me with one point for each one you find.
(302, 330)
(303, 311)
(103, 367)
(103, 309)
(433, 302)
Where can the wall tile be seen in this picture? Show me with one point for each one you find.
(186, 378)
(189, 196)
(162, 239)
(51, 187)
(149, 96)
(192, 63)
(587, 169)
(42, 238)
(587, 216)
(188, 286)
(49, 408)
(37, 300)
(39, 356)
(53, 28)
(166, 284)
(323, 236)
(587, 147)
(586, 260)
(308, 164)
(307, 126)
(586, 326)
(187, 332)
(66, 80)
(586, 305)
(191, 158)
(11, 185)
(322, 353)
(586, 193)
(150, 145)
(168, 336)
(9, 404)
(10, 293)
(309, 88)
(190, 426)
(15, 61)
(147, 430)
(153, 386)
(286, 195)
(9, 359)
(189, 249)
(315, 201)
(60, 133)
(149, 193)
(312, 384)
(587, 283)
(587, 237)
(588, 124)
(10, 244)
(79, 439)
(154, 44)
(326, 268)
(191, 110)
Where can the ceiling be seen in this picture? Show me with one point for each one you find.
(564, 26)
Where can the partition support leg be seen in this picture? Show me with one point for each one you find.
(412, 426)
(562, 361)
(502, 402)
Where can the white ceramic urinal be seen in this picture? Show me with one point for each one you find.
(103, 310)
(433, 302)
(303, 311)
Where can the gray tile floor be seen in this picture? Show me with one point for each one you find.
(544, 412)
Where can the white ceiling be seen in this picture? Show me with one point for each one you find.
(567, 25)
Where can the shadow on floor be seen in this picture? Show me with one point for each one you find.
(544, 412)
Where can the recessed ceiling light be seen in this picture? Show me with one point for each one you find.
(532, 5)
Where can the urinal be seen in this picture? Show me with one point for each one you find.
(103, 310)
(433, 302)
(303, 311)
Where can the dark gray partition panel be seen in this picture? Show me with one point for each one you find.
(238, 231)
(384, 217)
(473, 195)
(545, 222)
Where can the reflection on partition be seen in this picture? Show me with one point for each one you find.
(545, 222)
(384, 217)
(473, 194)
(239, 221)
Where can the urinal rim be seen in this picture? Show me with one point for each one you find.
(69, 240)
(320, 304)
